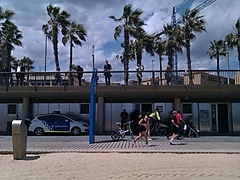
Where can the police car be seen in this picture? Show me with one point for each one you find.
(57, 123)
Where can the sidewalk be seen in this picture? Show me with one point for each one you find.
(104, 144)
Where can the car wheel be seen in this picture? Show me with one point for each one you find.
(38, 131)
(76, 131)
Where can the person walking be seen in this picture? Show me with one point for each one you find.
(124, 117)
(154, 117)
(22, 75)
(58, 80)
(79, 75)
(135, 119)
(6, 75)
(175, 126)
(107, 68)
(143, 125)
(168, 73)
(18, 72)
(139, 69)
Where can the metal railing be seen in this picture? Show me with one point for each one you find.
(230, 77)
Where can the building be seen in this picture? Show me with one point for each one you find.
(214, 107)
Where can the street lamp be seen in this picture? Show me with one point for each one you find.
(45, 57)
(152, 65)
(153, 75)
(45, 60)
(227, 59)
(93, 56)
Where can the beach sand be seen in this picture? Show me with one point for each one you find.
(105, 166)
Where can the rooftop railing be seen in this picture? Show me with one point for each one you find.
(230, 77)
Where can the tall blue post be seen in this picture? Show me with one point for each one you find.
(92, 107)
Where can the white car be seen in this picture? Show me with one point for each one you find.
(57, 123)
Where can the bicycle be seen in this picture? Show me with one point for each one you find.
(159, 128)
(116, 135)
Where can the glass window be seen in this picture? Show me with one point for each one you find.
(12, 109)
(84, 109)
(187, 108)
(60, 118)
(47, 118)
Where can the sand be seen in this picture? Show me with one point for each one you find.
(104, 166)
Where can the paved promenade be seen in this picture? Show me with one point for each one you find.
(104, 144)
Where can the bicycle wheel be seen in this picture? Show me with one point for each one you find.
(115, 136)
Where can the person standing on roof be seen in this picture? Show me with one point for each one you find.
(154, 117)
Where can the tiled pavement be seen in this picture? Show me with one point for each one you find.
(104, 144)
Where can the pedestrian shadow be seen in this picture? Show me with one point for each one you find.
(30, 158)
(180, 144)
(106, 141)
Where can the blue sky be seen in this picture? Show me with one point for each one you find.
(30, 15)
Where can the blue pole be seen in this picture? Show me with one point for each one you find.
(92, 107)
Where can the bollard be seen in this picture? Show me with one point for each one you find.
(19, 139)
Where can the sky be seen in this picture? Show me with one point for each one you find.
(221, 16)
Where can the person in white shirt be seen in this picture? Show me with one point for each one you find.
(139, 69)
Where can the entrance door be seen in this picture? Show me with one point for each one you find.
(222, 118)
(146, 107)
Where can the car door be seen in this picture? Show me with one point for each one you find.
(62, 123)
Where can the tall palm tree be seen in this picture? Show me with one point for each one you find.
(28, 63)
(142, 42)
(174, 40)
(5, 15)
(130, 22)
(159, 49)
(191, 23)
(11, 36)
(216, 50)
(74, 35)
(233, 40)
(58, 20)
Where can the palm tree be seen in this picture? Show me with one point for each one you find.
(142, 42)
(10, 36)
(173, 43)
(216, 50)
(191, 23)
(130, 22)
(28, 63)
(5, 15)
(159, 49)
(58, 20)
(75, 34)
(233, 40)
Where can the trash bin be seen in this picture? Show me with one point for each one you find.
(19, 139)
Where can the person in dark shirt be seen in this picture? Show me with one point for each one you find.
(107, 68)
(124, 117)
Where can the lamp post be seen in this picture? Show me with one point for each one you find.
(227, 59)
(153, 76)
(93, 57)
(45, 60)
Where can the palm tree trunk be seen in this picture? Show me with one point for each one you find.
(70, 64)
(126, 55)
(238, 50)
(189, 62)
(55, 46)
(71, 52)
(160, 63)
(218, 76)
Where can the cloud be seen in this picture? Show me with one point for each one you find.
(31, 15)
